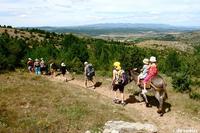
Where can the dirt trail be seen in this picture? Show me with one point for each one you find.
(171, 122)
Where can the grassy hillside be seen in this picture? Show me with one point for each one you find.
(25, 35)
(190, 38)
(29, 103)
(162, 45)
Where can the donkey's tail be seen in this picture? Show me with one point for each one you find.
(166, 95)
(164, 88)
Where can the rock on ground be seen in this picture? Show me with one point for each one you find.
(127, 127)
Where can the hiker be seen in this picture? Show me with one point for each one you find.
(37, 67)
(89, 74)
(53, 69)
(144, 70)
(30, 64)
(117, 83)
(63, 69)
(42, 66)
(152, 72)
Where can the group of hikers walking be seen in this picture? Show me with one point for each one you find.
(40, 67)
(37, 66)
(119, 78)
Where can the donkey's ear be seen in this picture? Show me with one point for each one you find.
(135, 69)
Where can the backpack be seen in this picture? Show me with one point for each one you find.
(90, 72)
(121, 78)
(53, 66)
(124, 78)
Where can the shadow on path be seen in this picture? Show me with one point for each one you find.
(98, 84)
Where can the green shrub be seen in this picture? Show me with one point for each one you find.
(104, 73)
(194, 95)
(195, 82)
(181, 82)
(172, 62)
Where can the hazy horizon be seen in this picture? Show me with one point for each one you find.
(37, 13)
(108, 24)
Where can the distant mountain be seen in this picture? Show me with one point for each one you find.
(118, 28)
(126, 25)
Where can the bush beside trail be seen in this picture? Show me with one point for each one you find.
(181, 82)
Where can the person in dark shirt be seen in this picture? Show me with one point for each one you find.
(30, 64)
(63, 70)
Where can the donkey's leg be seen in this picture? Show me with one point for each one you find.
(160, 100)
(161, 105)
(146, 100)
(140, 97)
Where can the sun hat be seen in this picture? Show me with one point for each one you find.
(146, 61)
(85, 63)
(152, 59)
(116, 64)
(63, 64)
(29, 59)
(36, 60)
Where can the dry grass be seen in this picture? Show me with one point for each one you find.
(22, 34)
(161, 45)
(190, 37)
(29, 103)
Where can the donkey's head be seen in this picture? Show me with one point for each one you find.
(133, 73)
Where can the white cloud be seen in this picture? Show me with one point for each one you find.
(23, 15)
(76, 12)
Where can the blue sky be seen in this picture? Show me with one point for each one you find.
(82, 12)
